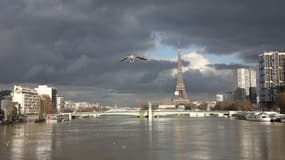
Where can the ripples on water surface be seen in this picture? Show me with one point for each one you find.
(130, 138)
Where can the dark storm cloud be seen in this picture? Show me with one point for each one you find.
(201, 83)
(222, 27)
(221, 66)
(79, 43)
(49, 41)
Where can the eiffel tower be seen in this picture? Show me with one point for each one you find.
(180, 95)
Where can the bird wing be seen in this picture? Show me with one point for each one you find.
(123, 59)
(142, 58)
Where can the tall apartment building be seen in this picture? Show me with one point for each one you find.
(28, 100)
(244, 84)
(271, 76)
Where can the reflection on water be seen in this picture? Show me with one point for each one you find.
(17, 144)
(265, 138)
(130, 138)
(28, 141)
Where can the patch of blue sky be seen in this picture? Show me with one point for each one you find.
(226, 58)
(163, 51)
(167, 52)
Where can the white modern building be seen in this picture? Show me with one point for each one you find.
(244, 86)
(244, 78)
(46, 90)
(219, 97)
(60, 103)
(271, 75)
(28, 100)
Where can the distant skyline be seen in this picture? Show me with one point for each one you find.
(76, 45)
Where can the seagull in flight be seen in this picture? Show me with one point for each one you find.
(132, 58)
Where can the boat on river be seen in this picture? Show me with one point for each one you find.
(261, 117)
(54, 118)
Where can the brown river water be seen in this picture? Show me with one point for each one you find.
(121, 138)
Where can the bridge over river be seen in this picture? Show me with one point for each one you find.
(153, 113)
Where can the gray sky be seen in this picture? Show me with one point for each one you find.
(76, 45)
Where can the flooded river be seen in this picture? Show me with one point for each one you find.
(117, 138)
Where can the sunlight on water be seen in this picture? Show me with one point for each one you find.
(125, 138)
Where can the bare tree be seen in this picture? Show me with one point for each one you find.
(234, 106)
(143, 106)
(189, 106)
(203, 105)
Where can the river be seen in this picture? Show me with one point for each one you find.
(120, 138)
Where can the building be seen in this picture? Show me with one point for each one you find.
(46, 105)
(27, 99)
(219, 98)
(59, 103)
(51, 92)
(164, 106)
(253, 95)
(271, 76)
(244, 79)
(4, 94)
(79, 105)
(69, 105)
(228, 96)
(240, 94)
